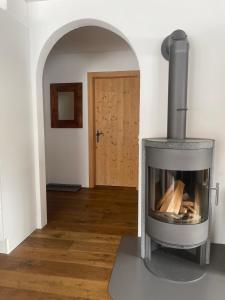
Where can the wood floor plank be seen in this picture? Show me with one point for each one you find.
(15, 294)
(35, 242)
(47, 243)
(94, 247)
(63, 269)
(72, 257)
(68, 287)
(80, 257)
(93, 228)
(77, 236)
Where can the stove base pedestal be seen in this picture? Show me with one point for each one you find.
(176, 264)
(167, 265)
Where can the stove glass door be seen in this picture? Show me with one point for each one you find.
(179, 197)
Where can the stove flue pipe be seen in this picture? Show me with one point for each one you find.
(175, 49)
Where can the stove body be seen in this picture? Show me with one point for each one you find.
(176, 173)
(177, 195)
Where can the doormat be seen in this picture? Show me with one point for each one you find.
(63, 187)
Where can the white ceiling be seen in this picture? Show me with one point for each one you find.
(90, 39)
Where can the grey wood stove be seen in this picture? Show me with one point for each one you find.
(176, 175)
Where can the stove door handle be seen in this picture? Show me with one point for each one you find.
(217, 189)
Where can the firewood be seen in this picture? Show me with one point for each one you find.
(167, 196)
(166, 202)
(183, 210)
(187, 203)
(191, 209)
(197, 201)
(194, 219)
(171, 217)
(177, 197)
(173, 204)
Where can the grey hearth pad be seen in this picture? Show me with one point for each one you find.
(131, 280)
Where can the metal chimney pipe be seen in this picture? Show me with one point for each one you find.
(175, 49)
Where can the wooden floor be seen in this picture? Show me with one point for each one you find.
(73, 256)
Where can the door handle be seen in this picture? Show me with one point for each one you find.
(217, 189)
(98, 134)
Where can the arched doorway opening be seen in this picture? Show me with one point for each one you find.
(41, 174)
(85, 229)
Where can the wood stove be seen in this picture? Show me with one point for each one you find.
(177, 182)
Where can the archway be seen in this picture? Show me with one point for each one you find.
(39, 117)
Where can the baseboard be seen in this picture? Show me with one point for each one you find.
(4, 249)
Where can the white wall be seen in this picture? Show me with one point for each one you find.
(67, 149)
(17, 190)
(145, 24)
(3, 4)
(18, 10)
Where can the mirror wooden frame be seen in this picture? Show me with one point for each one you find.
(55, 89)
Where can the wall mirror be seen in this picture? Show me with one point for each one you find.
(66, 105)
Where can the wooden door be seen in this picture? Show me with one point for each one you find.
(116, 118)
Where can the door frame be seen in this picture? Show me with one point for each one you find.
(91, 114)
